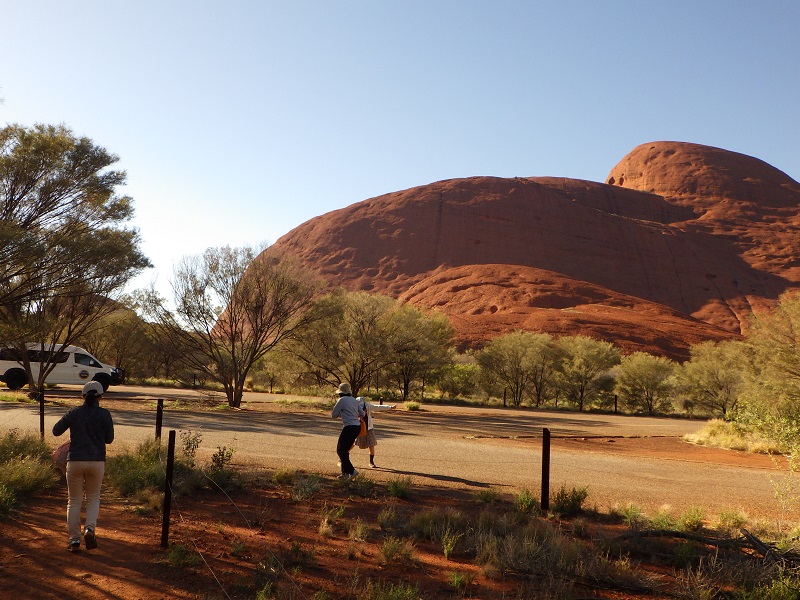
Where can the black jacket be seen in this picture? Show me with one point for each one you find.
(90, 429)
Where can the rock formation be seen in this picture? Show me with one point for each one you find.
(682, 244)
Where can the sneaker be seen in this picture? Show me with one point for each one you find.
(372, 465)
(74, 545)
(90, 539)
(354, 474)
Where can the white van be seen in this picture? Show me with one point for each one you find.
(74, 365)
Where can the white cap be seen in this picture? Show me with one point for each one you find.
(93, 386)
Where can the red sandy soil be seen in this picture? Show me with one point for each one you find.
(234, 540)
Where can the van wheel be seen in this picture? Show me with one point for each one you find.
(16, 380)
(103, 380)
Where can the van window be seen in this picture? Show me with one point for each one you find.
(86, 360)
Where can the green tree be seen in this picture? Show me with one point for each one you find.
(583, 370)
(459, 377)
(519, 362)
(232, 306)
(714, 376)
(422, 343)
(64, 255)
(775, 341)
(352, 337)
(646, 383)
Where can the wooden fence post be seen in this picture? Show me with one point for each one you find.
(168, 490)
(545, 469)
(159, 417)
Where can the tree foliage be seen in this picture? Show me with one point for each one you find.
(232, 306)
(583, 371)
(352, 337)
(63, 252)
(646, 383)
(714, 375)
(520, 362)
(422, 344)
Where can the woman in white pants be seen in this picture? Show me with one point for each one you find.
(90, 429)
(369, 440)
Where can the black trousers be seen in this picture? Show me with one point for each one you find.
(346, 440)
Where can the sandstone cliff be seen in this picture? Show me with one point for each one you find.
(683, 243)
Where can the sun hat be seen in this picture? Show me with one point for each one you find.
(93, 386)
(344, 389)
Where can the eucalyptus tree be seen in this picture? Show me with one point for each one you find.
(421, 344)
(714, 377)
(646, 383)
(520, 362)
(64, 253)
(354, 337)
(583, 373)
(232, 306)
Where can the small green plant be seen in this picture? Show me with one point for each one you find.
(449, 540)
(394, 549)
(633, 516)
(388, 519)
(488, 496)
(731, 521)
(284, 476)
(305, 486)
(8, 500)
(663, 520)
(568, 503)
(238, 548)
(190, 442)
(692, 519)
(357, 531)
(221, 458)
(328, 517)
(180, 555)
(526, 502)
(399, 487)
(412, 405)
(460, 581)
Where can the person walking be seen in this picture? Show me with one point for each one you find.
(369, 440)
(351, 412)
(91, 428)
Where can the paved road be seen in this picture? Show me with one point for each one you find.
(472, 448)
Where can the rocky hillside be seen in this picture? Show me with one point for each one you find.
(681, 244)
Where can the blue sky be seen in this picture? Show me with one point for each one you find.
(238, 121)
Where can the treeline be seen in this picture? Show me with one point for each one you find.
(384, 347)
(246, 317)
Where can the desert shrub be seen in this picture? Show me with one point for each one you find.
(25, 476)
(305, 486)
(412, 405)
(432, 524)
(328, 517)
(395, 549)
(180, 555)
(568, 503)
(29, 445)
(487, 496)
(399, 487)
(730, 521)
(692, 519)
(284, 476)
(26, 468)
(8, 500)
(389, 519)
(526, 502)
(633, 516)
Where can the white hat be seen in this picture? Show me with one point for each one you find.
(93, 386)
